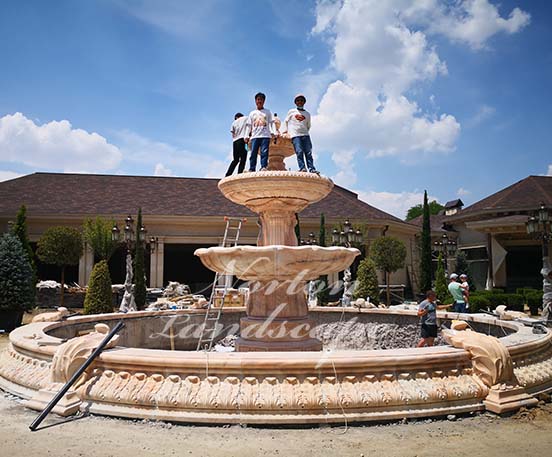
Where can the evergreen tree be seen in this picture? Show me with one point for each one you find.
(323, 294)
(60, 246)
(388, 254)
(19, 229)
(139, 268)
(441, 286)
(17, 287)
(97, 233)
(463, 267)
(367, 281)
(425, 258)
(98, 295)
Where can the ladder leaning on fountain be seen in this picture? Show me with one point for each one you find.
(212, 314)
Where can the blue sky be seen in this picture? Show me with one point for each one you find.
(453, 97)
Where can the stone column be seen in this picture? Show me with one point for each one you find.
(86, 263)
(156, 264)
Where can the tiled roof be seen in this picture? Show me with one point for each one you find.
(55, 194)
(454, 204)
(524, 195)
(435, 221)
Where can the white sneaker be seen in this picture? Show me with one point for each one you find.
(264, 169)
(303, 170)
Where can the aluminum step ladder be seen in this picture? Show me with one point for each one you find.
(212, 313)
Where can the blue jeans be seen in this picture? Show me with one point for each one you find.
(459, 307)
(303, 147)
(256, 144)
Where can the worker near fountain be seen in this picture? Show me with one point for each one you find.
(296, 126)
(427, 311)
(259, 129)
(547, 290)
(239, 149)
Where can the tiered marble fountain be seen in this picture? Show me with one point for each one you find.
(368, 370)
(277, 266)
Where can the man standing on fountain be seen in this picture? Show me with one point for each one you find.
(259, 129)
(297, 125)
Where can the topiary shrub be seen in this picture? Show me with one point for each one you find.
(98, 296)
(61, 246)
(479, 303)
(17, 288)
(367, 282)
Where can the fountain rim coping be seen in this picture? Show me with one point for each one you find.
(276, 173)
(521, 343)
(274, 247)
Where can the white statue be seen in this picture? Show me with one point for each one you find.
(347, 293)
(128, 303)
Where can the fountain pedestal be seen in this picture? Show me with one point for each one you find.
(277, 269)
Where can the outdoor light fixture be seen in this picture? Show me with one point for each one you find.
(310, 241)
(448, 247)
(346, 237)
(539, 227)
(115, 233)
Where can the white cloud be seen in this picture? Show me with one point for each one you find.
(484, 112)
(162, 170)
(166, 158)
(463, 192)
(381, 51)
(55, 145)
(7, 175)
(468, 21)
(396, 203)
(549, 170)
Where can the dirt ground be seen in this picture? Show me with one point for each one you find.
(527, 433)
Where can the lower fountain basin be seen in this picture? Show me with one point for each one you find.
(301, 263)
(329, 386)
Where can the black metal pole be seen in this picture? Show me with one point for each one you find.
(75, 376)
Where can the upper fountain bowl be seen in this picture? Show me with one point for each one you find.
(295, 190)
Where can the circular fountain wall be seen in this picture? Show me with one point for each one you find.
(139, 379)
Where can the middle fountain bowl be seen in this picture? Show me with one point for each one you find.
(265, 263)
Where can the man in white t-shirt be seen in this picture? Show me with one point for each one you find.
(297, 125)
(239, 148)
(259, 129)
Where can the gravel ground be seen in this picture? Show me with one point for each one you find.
(527, 433)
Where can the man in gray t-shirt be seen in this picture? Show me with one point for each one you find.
(427, 310)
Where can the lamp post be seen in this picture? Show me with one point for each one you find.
(346, 238)
(129, 238)
(447, 247)
(539, 227)
(311, 240)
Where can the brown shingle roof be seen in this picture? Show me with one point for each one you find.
(524, 195)
(436, 221)
(84, 194)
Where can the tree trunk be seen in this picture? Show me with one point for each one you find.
(62, 285)
(388, 291)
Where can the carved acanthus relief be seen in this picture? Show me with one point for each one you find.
(491, 360)
(72, 354)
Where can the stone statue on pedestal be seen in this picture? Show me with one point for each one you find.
(128, 303)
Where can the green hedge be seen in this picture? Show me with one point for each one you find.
(479, 303)
(487, 299)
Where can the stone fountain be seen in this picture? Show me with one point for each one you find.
(277, 311)
(369, 368)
